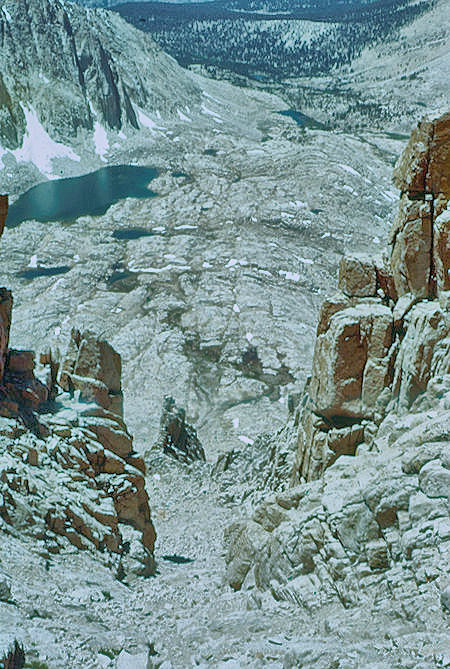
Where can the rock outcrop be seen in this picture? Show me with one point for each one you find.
(68, 471)
(177, 438)
(93, 367)
(365, 519)
(12, 657)
(377, 338)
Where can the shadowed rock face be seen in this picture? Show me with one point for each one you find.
(3, 211)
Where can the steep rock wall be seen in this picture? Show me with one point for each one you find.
(365, 521)
(376, 338)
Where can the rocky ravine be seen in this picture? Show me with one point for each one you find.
(364, 524)
(345, 565)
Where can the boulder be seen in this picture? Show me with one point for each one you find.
(351, 361)
(140, 660)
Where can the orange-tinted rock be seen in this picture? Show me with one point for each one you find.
(411, 253)
(92, 366)
(351, 361)
(411, 169)
(20, 361)
(438, 172)
(357, 275)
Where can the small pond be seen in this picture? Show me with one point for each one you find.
(302, 120)
(89, 195)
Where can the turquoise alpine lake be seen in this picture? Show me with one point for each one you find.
(89, 195)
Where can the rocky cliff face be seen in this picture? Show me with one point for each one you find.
(365, 521)
(70, 76)
(68, 471)
(383, 337)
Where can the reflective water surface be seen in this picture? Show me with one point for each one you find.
(89, 195)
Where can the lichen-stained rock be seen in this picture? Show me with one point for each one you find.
(12, 655)
(412, 242)
(427, 325)
(351, 361)
(92, 366)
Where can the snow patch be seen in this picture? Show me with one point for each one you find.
(100, 141)
(184, 227)
(39, 148)
(236, 309)
(3, 152)
(44, 78)
(205, 110)
(235, 423)
(6, 13)
(290, 276)
(157, 270)
(147, 122)
(183, 117)
(246, 440)
(350, 170)
(33, 262)
(249, 336)
(206, 265)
